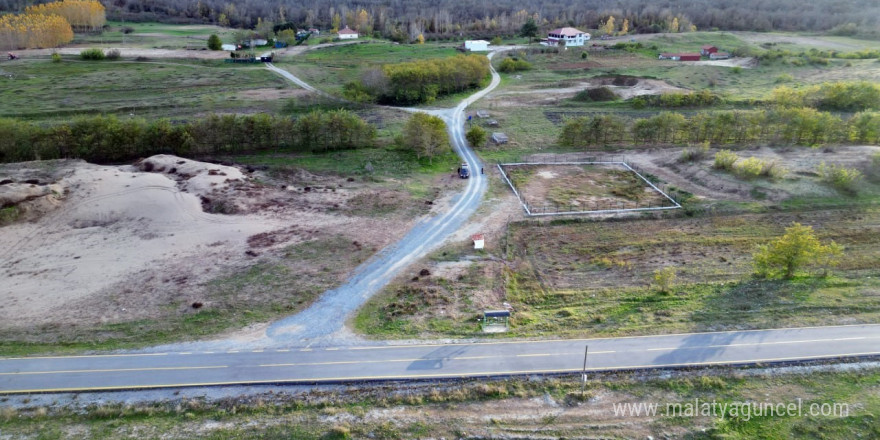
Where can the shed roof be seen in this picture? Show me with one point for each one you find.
(346, 31)
(709, 46)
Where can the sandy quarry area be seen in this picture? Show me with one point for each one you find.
(551, 96)
(97, 244)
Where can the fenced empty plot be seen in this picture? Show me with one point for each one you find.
(589, 187)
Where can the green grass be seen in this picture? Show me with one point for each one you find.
(42, 90)
(332, 67)
(155, 35)
(488, 408)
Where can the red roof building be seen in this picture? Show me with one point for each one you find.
(707, 50)
(680, 56)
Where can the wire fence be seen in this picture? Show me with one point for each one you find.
(671, 199)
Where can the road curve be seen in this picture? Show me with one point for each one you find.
(430, 361)
(326, 316)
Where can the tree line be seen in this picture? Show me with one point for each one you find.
(445, 18)
(83, 15)
(781, 125)
(108, 139)
(418, 82)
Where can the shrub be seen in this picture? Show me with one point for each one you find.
(214, 42)
(694, 153)
(113, 54)
(597, 94)
(725, 159)
(839, 177)
(514, 64)
(664, 279)
(797, 248)
(92, 54)
(497, 41)
(476, 136)
(56, 57)
(749, 167)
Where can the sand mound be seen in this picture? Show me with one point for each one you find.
(114, 221)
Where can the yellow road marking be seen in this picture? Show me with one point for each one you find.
(282, 350)
(563, 354)
(83, 356)
(111, 370)
(256, 351)
(755, 343)
(419, 376)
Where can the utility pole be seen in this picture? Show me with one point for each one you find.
(584, 374)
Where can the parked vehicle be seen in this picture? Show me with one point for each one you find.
(463, 171)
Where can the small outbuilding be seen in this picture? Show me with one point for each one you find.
(347, 34)
(476, 45)
(482, 114)
(230, 47)
(680, 56)
(719, 56)
(495, 321)
(499, 138)
(707, 50)
(479, 241)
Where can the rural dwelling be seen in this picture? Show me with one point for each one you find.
(314, 31)
(259, 42)
(347, 34)
(567, 36)
(499, 138)
(476, 45)
(719, 56)
(680, 56)
(707, 50)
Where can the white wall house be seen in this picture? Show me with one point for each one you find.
(476, 45)
(347, 34)
(569, 35)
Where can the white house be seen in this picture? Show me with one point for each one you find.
(347, 34)
(476, 45)
(568, 36)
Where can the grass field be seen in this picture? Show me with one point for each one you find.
(332, 67)
(41, 90)
(554, 407)
(155, 35)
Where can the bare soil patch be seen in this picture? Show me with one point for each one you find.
(99, 245)
(583, 187)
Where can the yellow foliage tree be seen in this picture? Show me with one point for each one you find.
(673, 26)
(34, 31)
(624, 28)
(608, 26)
(83, 15)
(420, 39)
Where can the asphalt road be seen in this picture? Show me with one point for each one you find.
(429, 361)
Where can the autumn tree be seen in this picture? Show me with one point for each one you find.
(426, 135)
(797, 248)
(83, 15)
(608, 26)
(34, 31)
(624, 28)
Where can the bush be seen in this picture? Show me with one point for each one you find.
(513, 64)
(476, 136)
(664, 279)
(597, 94)
(694, 153)
(839, 177)
(92, 55)
(214, 42)
(113, 54)
(749, 168)
(56, 57)
(797, 248)
(725, 159)
(497, 41)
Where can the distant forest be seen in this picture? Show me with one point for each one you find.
(446, 18)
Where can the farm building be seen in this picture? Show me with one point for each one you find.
(567, 36)
(499, 138)
(229, 47)
(476, 45)
(719, 56)
(708, 50)
(347, 34)
(482, 114)
(315, 31)
(680, 56)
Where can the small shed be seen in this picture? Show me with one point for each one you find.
(495, 321)
(719, 56)
(492, 123)
(680, 56)
(479, 241)
(499, 138)
(314, 31)
(230, 47)
(708, 50)
(476, 45)
(482, 114)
